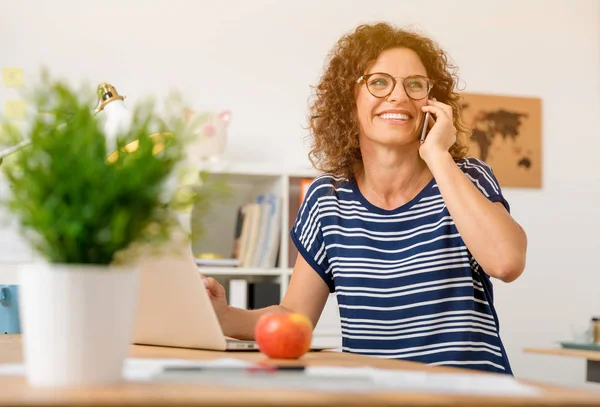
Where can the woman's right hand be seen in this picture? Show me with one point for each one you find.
(216, 293)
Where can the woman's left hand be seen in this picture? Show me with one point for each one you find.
(443, 133)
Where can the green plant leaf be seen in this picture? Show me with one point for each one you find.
(73, 205)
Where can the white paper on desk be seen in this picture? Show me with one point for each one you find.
(425, 382)
(136, 369)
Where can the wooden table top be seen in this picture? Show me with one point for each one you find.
(14, 391)
(577, 353)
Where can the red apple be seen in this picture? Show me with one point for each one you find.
(283, 335)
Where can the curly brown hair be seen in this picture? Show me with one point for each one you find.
(333, 121)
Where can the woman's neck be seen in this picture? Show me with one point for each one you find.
(390, 179)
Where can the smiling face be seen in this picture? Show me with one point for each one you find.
(393, 120)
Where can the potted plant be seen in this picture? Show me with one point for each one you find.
(85, 217)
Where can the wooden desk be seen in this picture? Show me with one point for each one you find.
(14, 391)
(593, 359)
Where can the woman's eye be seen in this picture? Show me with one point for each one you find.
(415, 85)
(379, 82)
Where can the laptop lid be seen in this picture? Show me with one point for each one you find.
(173, 307)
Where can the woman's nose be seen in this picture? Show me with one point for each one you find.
(398, 94)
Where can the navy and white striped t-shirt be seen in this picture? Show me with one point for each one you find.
(406, 284)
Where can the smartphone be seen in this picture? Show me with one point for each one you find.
(425, 127)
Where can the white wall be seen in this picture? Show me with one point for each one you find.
(259, 58)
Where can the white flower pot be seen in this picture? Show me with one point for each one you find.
(76, 322)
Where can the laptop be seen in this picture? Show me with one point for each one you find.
(173, 307)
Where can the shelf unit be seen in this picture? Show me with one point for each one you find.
(237, 271)
(247, 181)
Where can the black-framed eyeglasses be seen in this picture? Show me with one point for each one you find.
(381, 84)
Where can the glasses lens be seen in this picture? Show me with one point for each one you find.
(416, 87)
(380, 84)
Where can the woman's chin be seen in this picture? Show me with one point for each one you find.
(396, 139)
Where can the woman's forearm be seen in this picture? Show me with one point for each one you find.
(239, 323)
(496, 241)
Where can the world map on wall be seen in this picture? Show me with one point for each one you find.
(506, 135)
(497, 123)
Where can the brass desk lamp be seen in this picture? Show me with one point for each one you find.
(118, 117)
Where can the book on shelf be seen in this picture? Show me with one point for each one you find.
(257, 234)
(238, 233)
(249, 213)
(254, 216)
(269, 245)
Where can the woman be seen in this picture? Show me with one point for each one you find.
(407, 234)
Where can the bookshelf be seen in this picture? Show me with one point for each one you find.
(247, 182)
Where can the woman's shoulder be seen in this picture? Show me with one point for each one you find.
(474, 166)
(327, 181)
(325, 186)
(471, 162)
(481, 175)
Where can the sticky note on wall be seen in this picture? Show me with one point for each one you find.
(14, 109)
(12, 77)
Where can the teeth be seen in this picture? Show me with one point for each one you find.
(398, 116)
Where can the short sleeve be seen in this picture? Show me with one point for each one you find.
(307, 234)
(482, 176)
